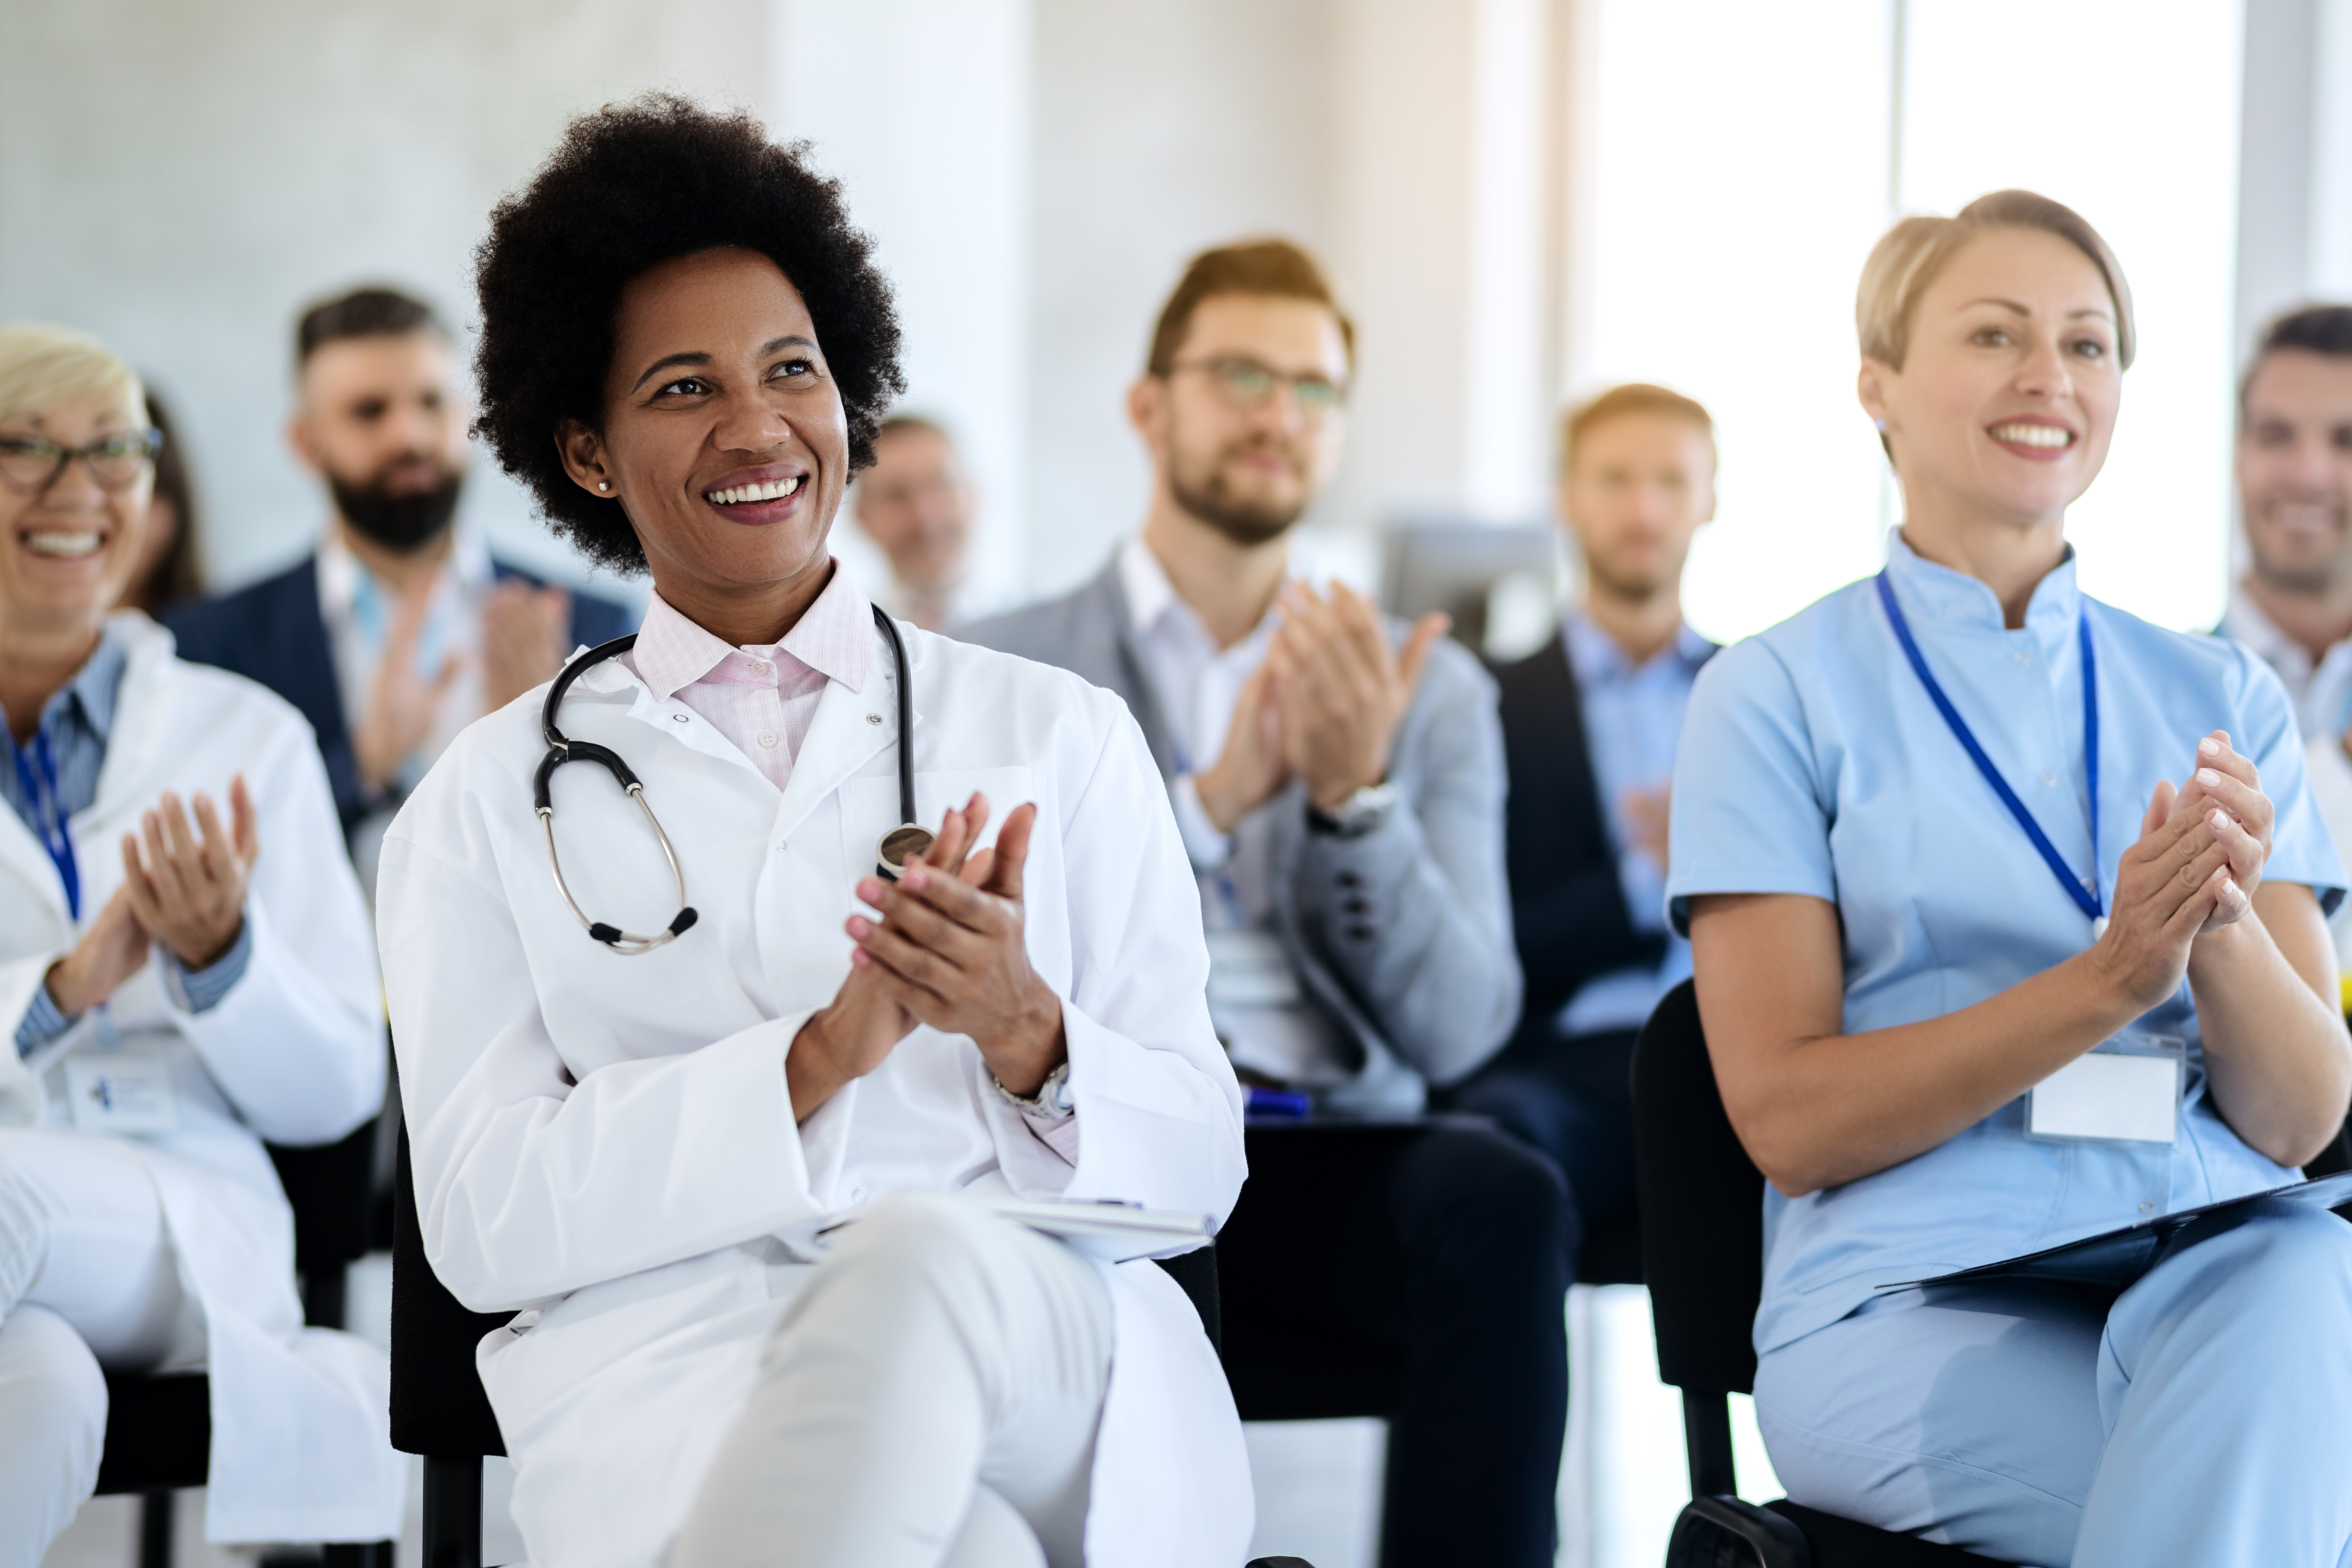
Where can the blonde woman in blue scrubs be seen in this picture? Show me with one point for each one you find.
(1978, 977)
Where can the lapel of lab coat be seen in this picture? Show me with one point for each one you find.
(851, 728)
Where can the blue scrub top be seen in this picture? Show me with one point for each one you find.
(1813, 761)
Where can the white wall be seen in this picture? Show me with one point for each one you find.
(182, 179)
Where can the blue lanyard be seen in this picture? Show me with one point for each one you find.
(41, 790)
(2085, 891)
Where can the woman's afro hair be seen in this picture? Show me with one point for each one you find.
(631, 187)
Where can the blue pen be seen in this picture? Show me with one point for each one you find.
(1259, 1102)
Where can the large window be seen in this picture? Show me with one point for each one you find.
(1741, 160)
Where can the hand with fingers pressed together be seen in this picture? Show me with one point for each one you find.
(185, 891)
(401, 705)
(1253, 765)
(948, 952)
(2227, 788)
(2172, 885)
(1341, 689)
(526, 633)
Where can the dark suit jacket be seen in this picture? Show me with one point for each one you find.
(1568, 905)
(272, 633)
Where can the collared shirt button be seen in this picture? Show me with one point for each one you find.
(2021, 656)
(2048, 778)
(857, 1195)
(2148, 1208)
(679, 718)
(1350, 879)
(874, 717)
(767, 737)
(764, 667)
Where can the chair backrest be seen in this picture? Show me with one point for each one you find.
(1701, 1207)
(438, 1407)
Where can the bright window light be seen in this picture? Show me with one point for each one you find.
(2127, 111)
(1738, 175)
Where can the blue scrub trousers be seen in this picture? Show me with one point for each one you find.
(2205, 1417)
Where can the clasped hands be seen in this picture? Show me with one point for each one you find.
(1323, 707)
(186, 891)
(948, 952)
(2193, 872)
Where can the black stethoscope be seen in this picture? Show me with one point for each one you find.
(907, 838)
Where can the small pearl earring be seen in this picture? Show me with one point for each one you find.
(603, 486)
(1880, 423)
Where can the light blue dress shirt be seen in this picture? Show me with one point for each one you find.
(1633, 722)
(77, 720)
(1814, 763)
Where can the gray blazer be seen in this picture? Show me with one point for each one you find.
(1403, 935)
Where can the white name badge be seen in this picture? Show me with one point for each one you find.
(2126, 1092)
(1249, 969)
(120, 1091)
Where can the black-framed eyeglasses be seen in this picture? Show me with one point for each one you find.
(1249, 384)
(31, 464)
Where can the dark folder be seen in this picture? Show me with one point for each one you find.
(2115, 1259)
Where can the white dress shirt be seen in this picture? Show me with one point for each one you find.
(1261, 1012)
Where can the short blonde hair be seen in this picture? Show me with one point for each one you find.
(42, 366)
(1909, 256)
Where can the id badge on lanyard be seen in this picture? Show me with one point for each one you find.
(120, 1088)
(2125, 1090)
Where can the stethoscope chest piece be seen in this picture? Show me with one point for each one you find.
(897, 846)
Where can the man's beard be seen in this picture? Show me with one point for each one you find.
(399, 521)
(1206, 495)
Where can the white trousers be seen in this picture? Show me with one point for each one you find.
(88, 1280)
(2205, 1417)
(928, 1400)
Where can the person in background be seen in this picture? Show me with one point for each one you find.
(916, 504)
(1339, 784)
(401, 629)
(2294, 605)
(1590, 721)
(171, 553)
(185, 969)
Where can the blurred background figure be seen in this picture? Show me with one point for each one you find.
(171, 552)
(1590, 721)
(2294, 605)
(401, 628)
(1337, 777)
(916, 504)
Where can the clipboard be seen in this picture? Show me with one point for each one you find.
(2114, 1259)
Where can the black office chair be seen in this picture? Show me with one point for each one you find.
(1703, 1243)
(439, 1411)
(158, 1431)
(1284, 1369)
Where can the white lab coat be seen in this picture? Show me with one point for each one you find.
(294, 1052)
(604, 1144)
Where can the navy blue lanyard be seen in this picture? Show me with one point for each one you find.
(2085, 891)
(41, 791)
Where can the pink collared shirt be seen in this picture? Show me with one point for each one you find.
(761, 699)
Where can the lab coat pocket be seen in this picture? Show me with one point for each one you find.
(870, 805)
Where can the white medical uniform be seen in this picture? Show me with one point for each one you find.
(293, 1053)
(605, 1145)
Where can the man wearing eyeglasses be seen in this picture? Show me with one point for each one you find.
(1339, 784)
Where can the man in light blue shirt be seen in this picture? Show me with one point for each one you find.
(1591, 723)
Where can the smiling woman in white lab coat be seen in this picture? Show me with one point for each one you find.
(685, 350)
(175, 987)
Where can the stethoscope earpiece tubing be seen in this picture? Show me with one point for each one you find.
(562, 749)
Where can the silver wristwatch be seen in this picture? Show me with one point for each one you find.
(1358, 815)
(1052, 1099)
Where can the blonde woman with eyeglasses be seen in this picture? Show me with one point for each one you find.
(185, 970)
